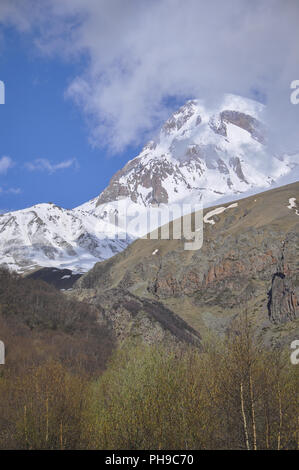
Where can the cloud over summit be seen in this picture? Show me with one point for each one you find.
(138, 54)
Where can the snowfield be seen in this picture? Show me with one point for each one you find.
(293, 205)
(201, 156)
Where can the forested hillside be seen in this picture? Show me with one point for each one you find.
(59, 392)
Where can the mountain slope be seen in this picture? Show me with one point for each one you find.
(249, 260)
(201, 155)
(39, 323)
(47, 235)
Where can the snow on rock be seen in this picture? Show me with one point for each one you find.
(293, 205)
(47, 235)
(207, 218)
(201, 155)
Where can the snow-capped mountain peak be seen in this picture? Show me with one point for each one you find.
(201, 154)
(48, 235)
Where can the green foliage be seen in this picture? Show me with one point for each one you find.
(44, 409)
(145, 401)
(230, 394)
(151, 398)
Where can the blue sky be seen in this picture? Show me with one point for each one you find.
(38, 122)
(89, 82)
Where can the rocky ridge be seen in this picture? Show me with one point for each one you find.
(248, 261)
(201, 155)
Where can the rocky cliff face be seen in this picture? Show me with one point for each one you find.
(248, 261)
(201, 154)
(148, 320)
(283, 301)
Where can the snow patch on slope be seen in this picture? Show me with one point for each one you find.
(207, 218)
(293, 205)
(201, 156)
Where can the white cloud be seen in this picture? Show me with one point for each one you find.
(20, 13)
(141, 52)
(11, 191)
(14, 191)
(42, 164)
(5, 164)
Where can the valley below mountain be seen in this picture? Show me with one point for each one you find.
(139, 343)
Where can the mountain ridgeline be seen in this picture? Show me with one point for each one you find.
(150, 345)
(201, 155)
(248, 262)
